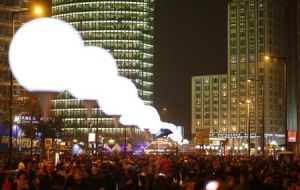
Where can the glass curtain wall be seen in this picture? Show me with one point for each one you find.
(125, 28)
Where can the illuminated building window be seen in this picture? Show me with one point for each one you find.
(224, 121)
(215, 122)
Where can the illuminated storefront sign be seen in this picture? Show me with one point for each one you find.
(291, 136)
(231, 135)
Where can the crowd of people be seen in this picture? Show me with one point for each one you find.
(154, 172)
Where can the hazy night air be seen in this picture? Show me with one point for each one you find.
(190, 39)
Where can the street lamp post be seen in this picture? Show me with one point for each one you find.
(97, 130)
(37, 11)
(248, 101)
(125, 148)
(248, 123)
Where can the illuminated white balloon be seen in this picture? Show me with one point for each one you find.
(42, 52)
(133, 116)
(117, 96)
(149, 119)
(96, 67)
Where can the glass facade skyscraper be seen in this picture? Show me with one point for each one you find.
(125, 28)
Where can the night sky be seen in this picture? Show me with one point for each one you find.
(190, 40)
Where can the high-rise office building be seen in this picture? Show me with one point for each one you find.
(11, 17)
(210, 103)
(256, 78)
(125, 28)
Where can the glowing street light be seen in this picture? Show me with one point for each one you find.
(267, 58)
(38, 10)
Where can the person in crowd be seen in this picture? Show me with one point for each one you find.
(5, 181)
(22, 181)
(77, 181)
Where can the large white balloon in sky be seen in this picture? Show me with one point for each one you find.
(149, 119)
(133, 115)
(95, 68)
(117, 95)
(42, 52)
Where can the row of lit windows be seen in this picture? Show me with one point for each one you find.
(250, 34)
(102, 5)
(128, 74)
(125, 55)
(96, 6)
(215, 87)
(104, 25)
(5, 16)
(148, 88)
(243, 51)
(79, 113)
(71, 103)
(61, 2)
(64, 95)
(252, 42)
(75, 112)
(127, 63)
(215, 94)
(86, 122)
(5, 90)
(215, 122)
(144, 96)
(115, 132)
(112, 34)
(242, 7)
(126, 45)
(19, 103)
(207, 102)
(214, 80)
(139, 74)
(135, 75)
(104, 15)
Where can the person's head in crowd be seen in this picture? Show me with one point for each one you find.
(77, 174)
(94, 170)
(21, 166)
(49, 167)
(230, 181)
(29, 165)
(41, 165)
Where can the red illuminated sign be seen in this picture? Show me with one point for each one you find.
(291, 136)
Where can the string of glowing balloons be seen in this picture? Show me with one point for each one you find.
(49, 55)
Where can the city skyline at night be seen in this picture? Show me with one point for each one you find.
(250, 101)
